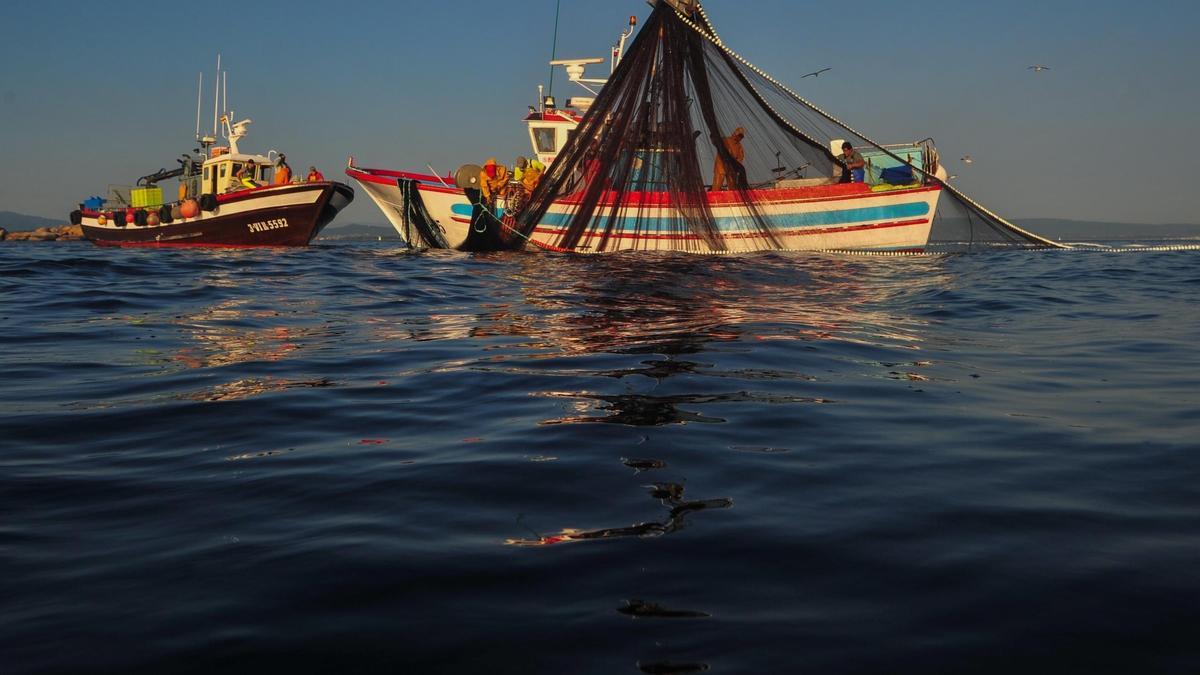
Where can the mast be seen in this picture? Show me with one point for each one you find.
(216, 95)
(199, 96)
(554, 45)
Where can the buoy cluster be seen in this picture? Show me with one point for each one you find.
(164, 215)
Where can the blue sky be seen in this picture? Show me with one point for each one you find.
(98, 93)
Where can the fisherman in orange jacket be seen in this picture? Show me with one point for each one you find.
(283, 172)
(727, 175)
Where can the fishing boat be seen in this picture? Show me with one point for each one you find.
(225, 198)
(627, 166)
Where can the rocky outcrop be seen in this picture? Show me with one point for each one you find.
(59, 233)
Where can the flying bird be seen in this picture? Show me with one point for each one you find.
(1038, 68)
(968, 160)
(817, 73)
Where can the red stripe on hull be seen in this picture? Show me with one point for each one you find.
(751, 235)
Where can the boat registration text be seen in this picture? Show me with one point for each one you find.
(264, 226)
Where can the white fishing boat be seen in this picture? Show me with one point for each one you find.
(627, 168)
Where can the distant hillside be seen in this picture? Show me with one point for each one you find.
(1078, 230)
(358, 232)
(18, 222)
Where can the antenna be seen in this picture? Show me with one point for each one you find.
(554, 45)
(199, 95)
(216, 95)
(225, 90)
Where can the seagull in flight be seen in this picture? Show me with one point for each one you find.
(1038, 68)
(967, 160)
(817, 73)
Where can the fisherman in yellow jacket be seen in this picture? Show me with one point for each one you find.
(532, 176)
(494, 179)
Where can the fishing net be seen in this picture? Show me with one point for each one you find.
(686, 122)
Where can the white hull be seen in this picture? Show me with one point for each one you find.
(825, 218)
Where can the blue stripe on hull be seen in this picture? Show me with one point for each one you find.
(777, 221)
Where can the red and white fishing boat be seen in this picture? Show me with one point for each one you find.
(629, 174)
(225, 198)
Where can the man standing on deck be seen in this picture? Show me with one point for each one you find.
(283, 172)
(729, 175)
(855, 164)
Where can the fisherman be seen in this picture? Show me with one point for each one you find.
(245, 175)
(283, 172)
(519, 167)
(726, 175)
(533, 176)
(855, 164)
(315, 176)
(494, 180)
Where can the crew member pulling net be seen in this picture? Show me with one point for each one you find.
(688, 147)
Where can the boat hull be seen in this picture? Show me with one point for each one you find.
(447, 205)
(845, 217)
(285, 215)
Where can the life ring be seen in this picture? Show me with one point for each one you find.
(77, 217)
(208, 202)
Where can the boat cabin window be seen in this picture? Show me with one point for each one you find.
(206, 172)
(223, 170)
(543, 139)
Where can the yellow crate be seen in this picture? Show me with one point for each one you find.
(146, 197)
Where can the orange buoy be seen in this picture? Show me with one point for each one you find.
(152, 219)
(129, 217)
(176, 212)
(189, 209)
(101, 220)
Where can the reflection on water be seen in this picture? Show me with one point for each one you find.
(675, 306)
(669, 495)
(640, 465)
(240, 389)
(640, 609)
(670, 668)
(652, 411)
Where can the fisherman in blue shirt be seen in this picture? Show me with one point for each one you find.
(855, 164)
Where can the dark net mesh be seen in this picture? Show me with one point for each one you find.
(690, 148)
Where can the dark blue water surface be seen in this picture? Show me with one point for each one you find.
(355, 459)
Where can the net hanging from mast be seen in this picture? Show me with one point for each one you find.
(687, 122)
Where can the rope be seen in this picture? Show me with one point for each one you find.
(800, 99)
(510, 228)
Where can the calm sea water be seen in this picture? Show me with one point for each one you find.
(356, 459)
